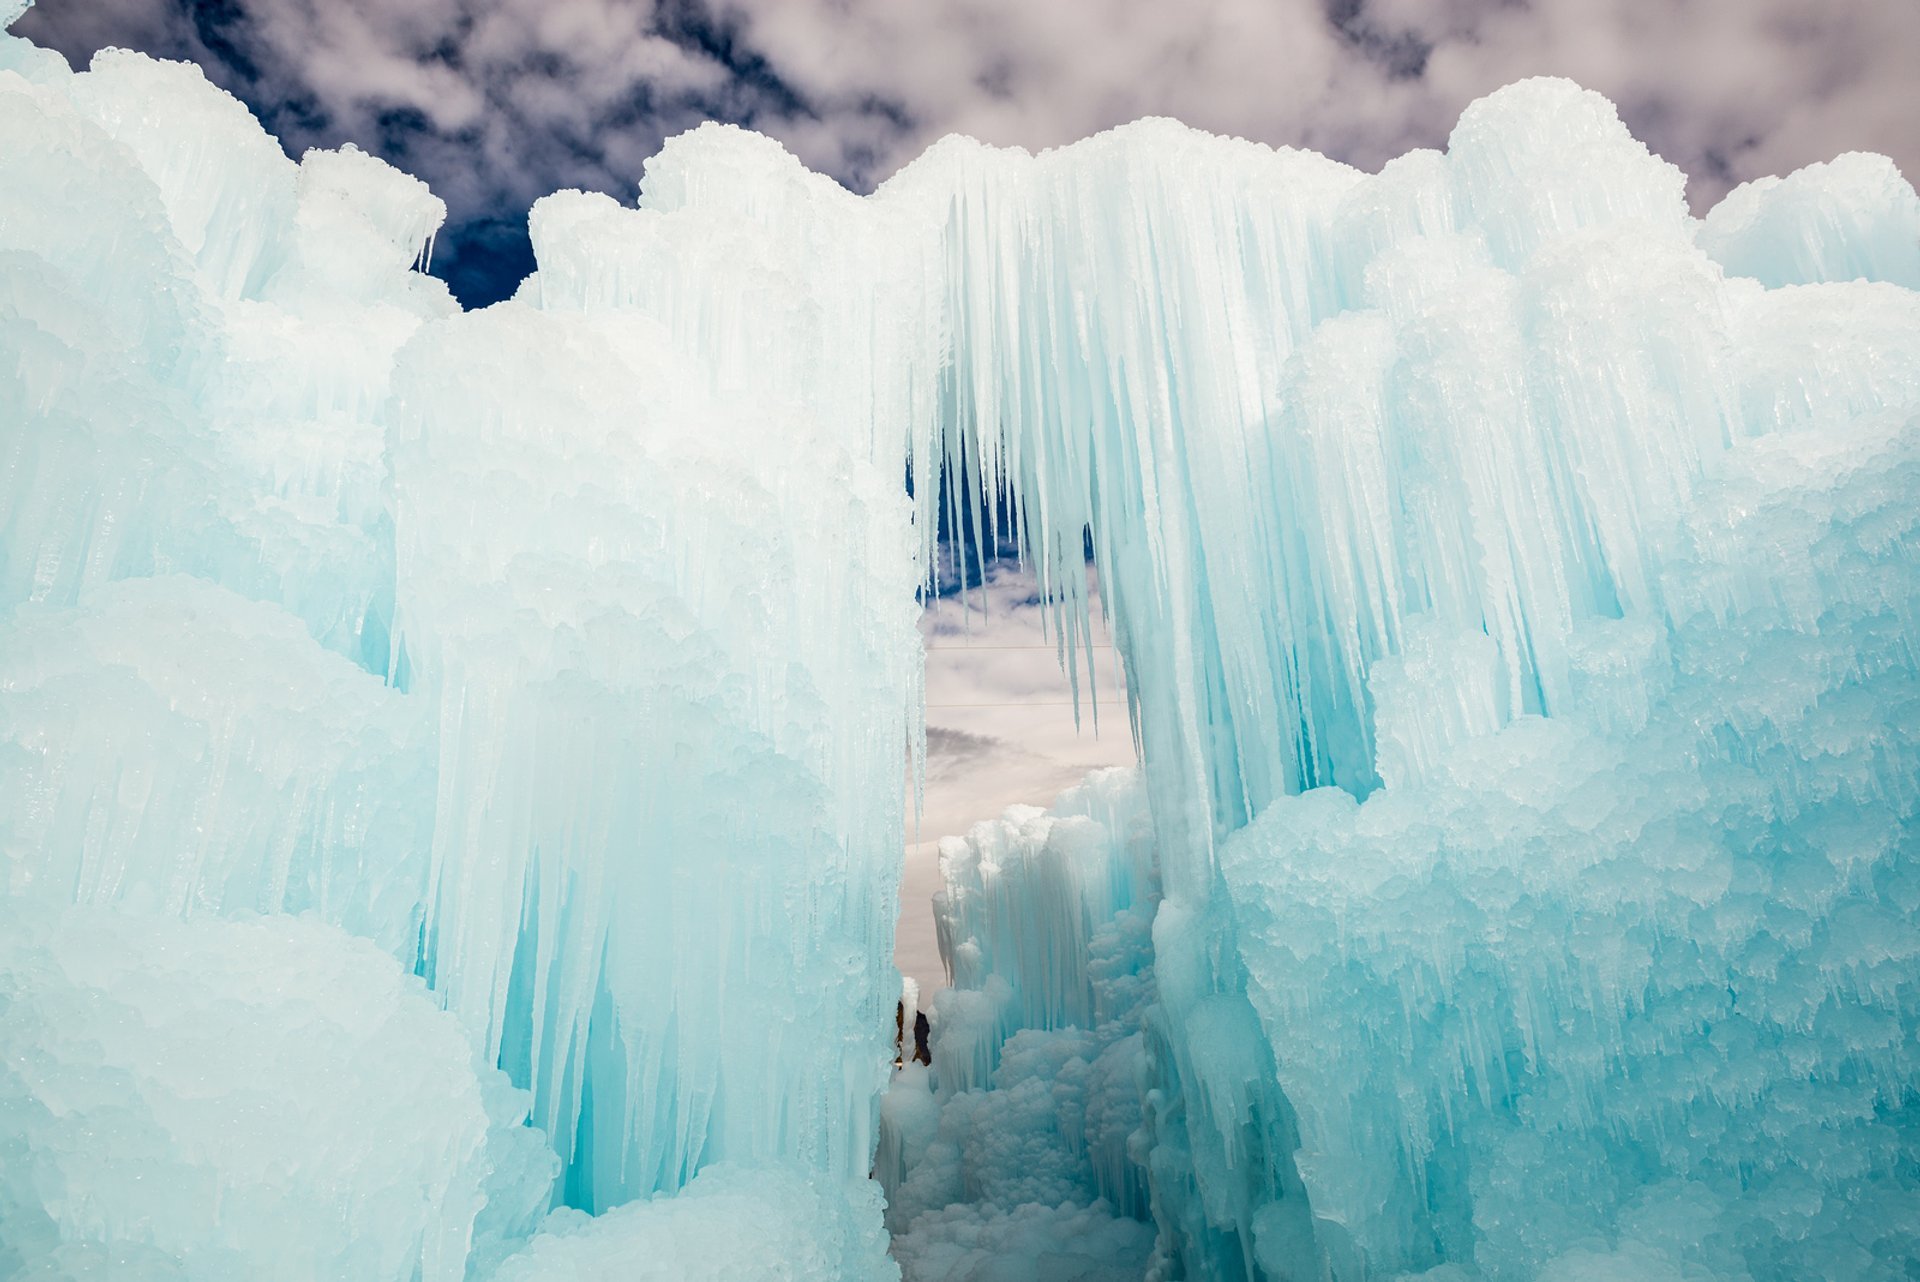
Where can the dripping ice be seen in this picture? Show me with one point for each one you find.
(449, 807)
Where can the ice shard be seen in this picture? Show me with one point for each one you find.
(1517, 586)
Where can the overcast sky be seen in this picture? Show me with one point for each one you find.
(495, 104)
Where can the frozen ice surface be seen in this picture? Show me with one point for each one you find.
(212, 1100)
(1417, 497)
(207, 397)
(1030, 1242)
(780, 1224)
(476, 636)
(172, 747)
(661, 599)
(1852, 218)
(1517, 587)
(1725, 1018)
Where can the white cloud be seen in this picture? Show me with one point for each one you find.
(1727, 89)
(520, 96)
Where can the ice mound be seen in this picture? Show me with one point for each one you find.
(772, 1223)
(1853, 218)
(1717, 851)
(1014, 1155)
(1029, 1243)
(172, 747)
(207, 397)
(214, 1099)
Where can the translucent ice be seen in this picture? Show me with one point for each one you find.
(1517, 589)
(782, 1224)
(170, 746)
(660, 599)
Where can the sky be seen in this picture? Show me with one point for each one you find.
(498, 103)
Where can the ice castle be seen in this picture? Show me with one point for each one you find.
(450, 810)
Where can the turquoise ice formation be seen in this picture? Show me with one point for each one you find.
(450, 818)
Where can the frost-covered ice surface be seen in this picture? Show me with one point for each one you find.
(1010, 1156)
(216, 1099)
(171, 746)
(1519, 604)
(777, 1223)
(462, 751)
(565, 652)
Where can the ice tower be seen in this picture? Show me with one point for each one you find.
(564, 651)
(449, 807)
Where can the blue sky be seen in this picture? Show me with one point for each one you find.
(498, 103)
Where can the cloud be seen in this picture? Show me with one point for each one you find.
(494, 104)
(1727, 89)
(497, 103)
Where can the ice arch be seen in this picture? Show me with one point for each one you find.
(1516, 583)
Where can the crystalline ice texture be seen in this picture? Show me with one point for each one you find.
(1013, 1154)
(731, 1222)
(1515, 578)
(221, 1099)
(660, 596)
(171, 747)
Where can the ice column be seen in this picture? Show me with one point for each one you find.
(657, 582)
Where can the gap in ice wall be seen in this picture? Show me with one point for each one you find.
(1006, 725)
(1013, 1153)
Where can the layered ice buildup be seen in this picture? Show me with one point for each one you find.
(659, 598)
(450, 763)
(564, 654)
(193, 1100)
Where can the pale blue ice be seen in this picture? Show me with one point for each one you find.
(450, 809)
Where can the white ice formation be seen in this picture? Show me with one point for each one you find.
(449, 762)
(1014, 1150)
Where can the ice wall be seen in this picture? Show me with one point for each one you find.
(1633, 987)
(659, 596)
(1394, 481)
(165, 1087)
(1514, 576)
(565, 652)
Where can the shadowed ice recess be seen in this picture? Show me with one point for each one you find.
(450, 823)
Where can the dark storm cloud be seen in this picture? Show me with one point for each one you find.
(495, 104)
